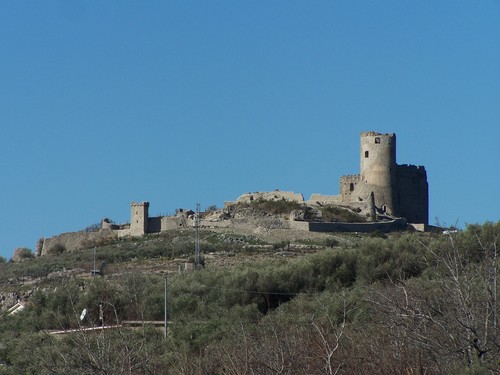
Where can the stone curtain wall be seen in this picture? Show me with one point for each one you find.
(383, 226)
(163, 223)
(77, 240)
(325, 199)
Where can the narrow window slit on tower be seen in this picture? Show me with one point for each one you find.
(377, 140)
(366, 154)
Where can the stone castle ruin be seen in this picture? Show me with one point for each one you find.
(388, 195)
(389, 188)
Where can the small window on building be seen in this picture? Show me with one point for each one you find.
(377, 140)
(384, 208)
(366, 154)
(351, 187)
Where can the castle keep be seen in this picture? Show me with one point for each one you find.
(395, 190)
(387, 197)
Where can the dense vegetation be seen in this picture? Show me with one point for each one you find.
(406, 304)
(334, 213)
(285, 207)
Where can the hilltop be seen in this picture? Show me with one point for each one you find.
(385, 196)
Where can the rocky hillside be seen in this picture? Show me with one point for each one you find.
(159, 253)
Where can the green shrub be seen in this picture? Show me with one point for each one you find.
(55, 250)
(337, 214)
(379, 259)
(378, 234)
(277, 207)
(331, 242)
(23, 254)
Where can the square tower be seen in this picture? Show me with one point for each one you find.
(139, 216)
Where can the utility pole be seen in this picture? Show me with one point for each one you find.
(93, 271)
(197, 256)
(166, 307)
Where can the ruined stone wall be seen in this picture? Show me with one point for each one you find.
(324, 199)
(412, 196)
(175, 222)
(348, 185)
(216, 224)
(163, 223)
(271, 196)
(122, 232)
(251, 223)
(298, 225)
(77, 240)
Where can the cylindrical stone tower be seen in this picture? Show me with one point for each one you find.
(378, 168)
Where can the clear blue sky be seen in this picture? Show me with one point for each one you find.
(179, 102)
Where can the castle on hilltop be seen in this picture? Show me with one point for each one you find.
(391, 196)
(392, 189)
(383, 188)
(399, 190)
